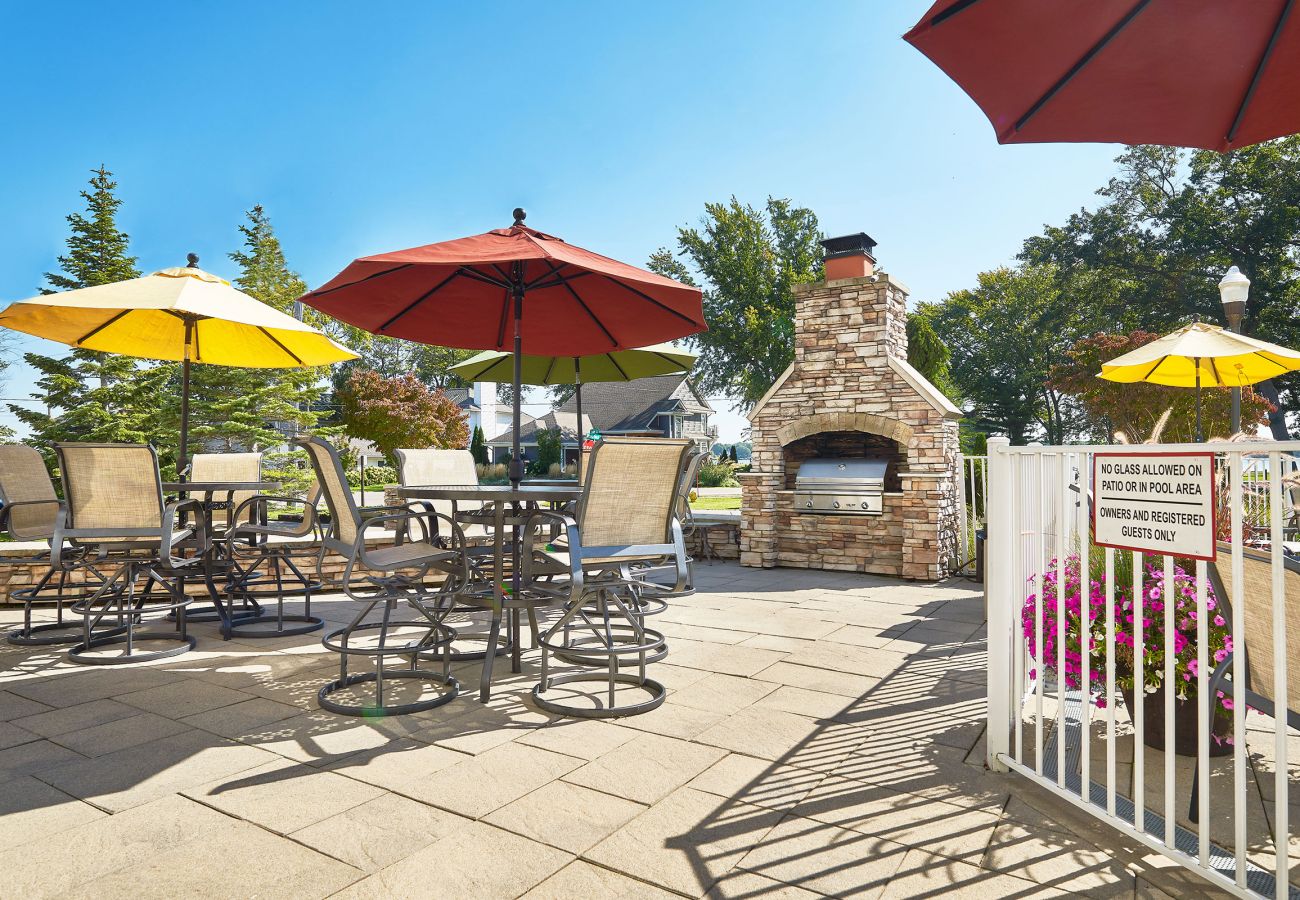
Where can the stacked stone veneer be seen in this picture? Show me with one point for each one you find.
(841, 384)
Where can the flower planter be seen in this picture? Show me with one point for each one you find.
(1186, 719)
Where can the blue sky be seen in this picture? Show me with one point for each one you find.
(368, 127)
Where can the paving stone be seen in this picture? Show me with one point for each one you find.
(583, 738)
(1057, 861)
(52, 722)
(282, 796)
(939, 828)
(646, 768)
(722, 658)
(379, 832)
(110, 737)
(12, 735)
(138, 775)
(674, 720)
(925, 875)
(15, 706)
(826, 859)
(580, 879)
(741, 885)
(722, 694)
(757, 781)
(239, 718)
(769, 733)
(84, 683)
(803, 702)
(403, 765)
(472, 862)
(182, 698)
(31, 810)
(685, 842)
(474, 728)
(814, 679)
(479, 785)
(565, 815)
(33, 758)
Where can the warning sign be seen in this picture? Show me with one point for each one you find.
(1154, 504)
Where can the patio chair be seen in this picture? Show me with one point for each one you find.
(386, 575)
(690, 472)
(32, 511)
(434, 466)
(227, 467)
(266, 554)
(1257, 598)
(116, 516)
(626, 516)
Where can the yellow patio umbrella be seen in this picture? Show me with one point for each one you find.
(1201, 354)
(182, 314)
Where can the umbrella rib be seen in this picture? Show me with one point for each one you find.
(505, 317)
(1079, 66)
(668, 359)
(322, 293)
(476, 275)
(559, 280)
(614, 363)
(280, 345)
(645, 296)
(585, 308)
(1259, 70)
(420, 299)
(546, 379)
(1152, 370)
(959, 6)
(98, 328)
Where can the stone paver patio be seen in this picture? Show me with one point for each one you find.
(823, 737)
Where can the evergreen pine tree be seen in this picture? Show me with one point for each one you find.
(91, 396)
(234, 408)
(478, 446)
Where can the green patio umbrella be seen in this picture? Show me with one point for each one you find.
(617, 365)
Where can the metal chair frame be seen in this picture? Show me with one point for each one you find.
(153, 558)
(259, 565)
(401, 580)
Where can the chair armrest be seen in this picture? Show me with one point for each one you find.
(570, 526)
(458, 539)
(60, 513)
(309, 517)
(168, 530)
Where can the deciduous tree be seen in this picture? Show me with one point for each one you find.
(400, 412)
(747, 262)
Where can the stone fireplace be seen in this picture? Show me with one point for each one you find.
(850, 392)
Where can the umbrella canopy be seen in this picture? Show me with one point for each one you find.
(159, 316)
(513, 287)
(460, 293)
(182, 314)
(1190, 73)
(1199, 355)
(619, 365)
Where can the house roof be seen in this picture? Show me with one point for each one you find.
(631, 406)
(560, 419)
(462, 397)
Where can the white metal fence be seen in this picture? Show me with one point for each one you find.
(1078, 634)
(970, 519)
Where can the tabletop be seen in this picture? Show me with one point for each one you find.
(541, 493)
(216, 487)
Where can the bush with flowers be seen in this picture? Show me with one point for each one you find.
(1072, 632)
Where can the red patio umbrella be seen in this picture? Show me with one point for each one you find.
(516, 285)
(1190, 73)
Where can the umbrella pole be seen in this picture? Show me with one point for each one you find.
(182, 460)
(577, 394)
(516, 464)
(1199, 435)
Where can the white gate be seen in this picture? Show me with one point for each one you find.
(1074, 628)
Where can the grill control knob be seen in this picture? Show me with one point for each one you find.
(865, 504)
(808, 504)
(835, 504)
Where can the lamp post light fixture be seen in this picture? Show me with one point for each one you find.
(1233, 291)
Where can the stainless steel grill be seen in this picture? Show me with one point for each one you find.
(845, 487)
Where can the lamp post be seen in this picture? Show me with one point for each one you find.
(1233, 291)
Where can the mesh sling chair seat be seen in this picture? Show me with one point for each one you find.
(1256, 689)
(32, 511)
(223, 512)
(266, 557)
(626, 516)
(116, 515)
(398, 572)
(433, 466)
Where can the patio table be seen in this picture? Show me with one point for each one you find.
(211, 562)
(519, 497)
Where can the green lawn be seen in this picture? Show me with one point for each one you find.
(710, 503)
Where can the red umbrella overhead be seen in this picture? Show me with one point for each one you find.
(459, 293)
(1190, 73)
(516, 285)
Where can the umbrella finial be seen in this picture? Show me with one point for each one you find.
(520, 215)
(192, 260)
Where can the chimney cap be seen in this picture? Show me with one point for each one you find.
(859, 244)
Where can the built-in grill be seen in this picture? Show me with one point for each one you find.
(844, 487)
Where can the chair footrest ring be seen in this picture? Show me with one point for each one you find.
(81, 652)
(239, 628)
(354, 709)
(652, 641)
(445, 634)
(656, 690)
